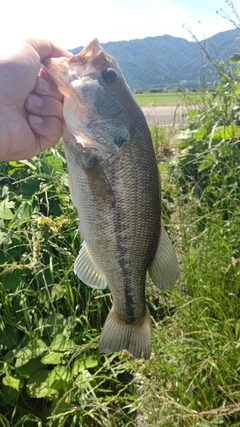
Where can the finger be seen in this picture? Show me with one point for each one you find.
(46, 49)
(46, 86)
(44, 106)
(48, 130)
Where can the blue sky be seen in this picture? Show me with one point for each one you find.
(71, 23)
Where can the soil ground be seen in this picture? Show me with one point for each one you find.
(165, 114)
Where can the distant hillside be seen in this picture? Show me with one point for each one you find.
(166, 61)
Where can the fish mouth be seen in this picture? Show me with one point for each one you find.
(65, 70)
(90, 59)
(92, 49)
(93, 52)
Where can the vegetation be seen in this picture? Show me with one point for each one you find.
(164, 98)
(51, 372)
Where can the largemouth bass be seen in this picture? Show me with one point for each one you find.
(115, 186)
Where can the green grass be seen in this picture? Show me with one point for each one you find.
(167, 98)
(52, 373)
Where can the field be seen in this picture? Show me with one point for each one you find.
(51, 371)
(166, 98)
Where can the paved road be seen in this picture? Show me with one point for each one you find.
(165, 114)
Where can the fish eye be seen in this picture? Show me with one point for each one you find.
(122, 137)
(109, 75)
(119, 141)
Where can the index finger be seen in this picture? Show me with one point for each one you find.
(46, 49)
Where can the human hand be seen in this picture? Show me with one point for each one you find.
(30, 103)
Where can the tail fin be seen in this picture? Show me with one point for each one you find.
(118, 335)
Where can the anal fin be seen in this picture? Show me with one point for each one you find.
(87, 271)
(164, 270)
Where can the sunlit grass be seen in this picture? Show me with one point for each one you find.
(50, 322)
(165, 98)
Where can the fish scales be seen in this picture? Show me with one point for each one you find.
(114, 229)
(115, 186)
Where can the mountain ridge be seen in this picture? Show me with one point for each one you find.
(167, 61)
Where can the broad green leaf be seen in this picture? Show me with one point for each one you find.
(30, 368)
(226, 132)
(201, 133)
(17, 164)
(81, 365)
(193, 113)
(55, 163)
(2, 237)
(33, 349)
(38, 385)
(24, 211)
(53, 358)
(30, 187)
(59, 377)
(13, 382)
(5, 211)
(62, 343)
(183, 144)
(207, 162)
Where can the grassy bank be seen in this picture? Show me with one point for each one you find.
(52, 373)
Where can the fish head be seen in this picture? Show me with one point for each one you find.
(98, 104)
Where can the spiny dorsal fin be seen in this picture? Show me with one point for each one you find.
(87, 271)
(164, 270)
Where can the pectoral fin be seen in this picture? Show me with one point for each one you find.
(87, 271)
(164, 270)
(101, 187)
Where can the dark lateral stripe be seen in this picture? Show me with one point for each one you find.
(127, 287)
(122, 257)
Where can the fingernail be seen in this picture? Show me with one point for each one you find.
(35, 120)
(44, 84)
(34, 100)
